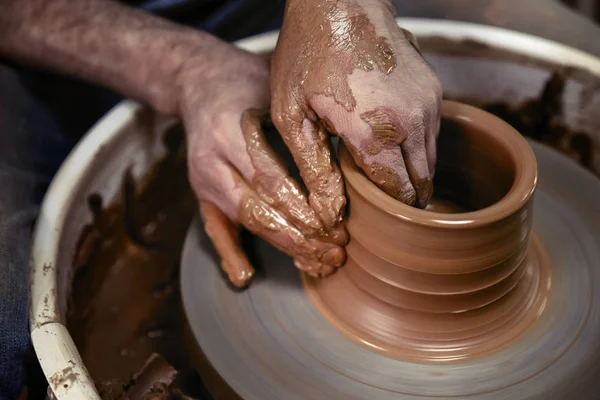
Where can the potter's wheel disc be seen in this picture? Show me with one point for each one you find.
(269, 342)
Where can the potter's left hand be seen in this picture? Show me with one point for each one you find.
(346, 67)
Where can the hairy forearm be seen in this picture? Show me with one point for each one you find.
(339, 3)
(123, 49)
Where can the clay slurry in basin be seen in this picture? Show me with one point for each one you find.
(460, 279)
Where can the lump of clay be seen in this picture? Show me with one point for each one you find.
(153, 382)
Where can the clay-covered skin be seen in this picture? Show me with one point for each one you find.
(538, 119)
(241, 180)
(466, 279)
(347, 67)
(225, 237)
(277, 192)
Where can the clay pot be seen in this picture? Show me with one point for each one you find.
(463, 277)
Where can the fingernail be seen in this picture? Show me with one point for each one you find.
(408, 196)
(421, 203)
(424, 189)
(335, 256)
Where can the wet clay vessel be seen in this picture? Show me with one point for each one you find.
(463, 277)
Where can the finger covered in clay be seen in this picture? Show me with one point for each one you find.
(262, 220)
(310, 146)
(224, 235)
(321, 215)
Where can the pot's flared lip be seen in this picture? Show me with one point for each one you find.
(521, 191)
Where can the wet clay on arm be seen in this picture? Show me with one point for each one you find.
(123, 49)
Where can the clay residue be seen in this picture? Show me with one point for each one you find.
(63, 378)
(321, 44)
(424, 186)
(271, 180)
(155, 380)
(541, 119)
(125, 302)
(48, 313)
(311, 256)
(385, 133)
(340, 38)
(47, 268)
(384, 177)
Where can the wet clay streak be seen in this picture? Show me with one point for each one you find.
(125, 302)
(341, 38)
(314, 257)
(384, 131)
(431, 285)
(278, 209)
(540, 119)
(271, 180)
(384, 177)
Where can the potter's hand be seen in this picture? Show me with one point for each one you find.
(347, 67)
(182, 72)
(236, 174)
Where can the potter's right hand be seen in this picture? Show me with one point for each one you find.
(237, 176)
(345, 66)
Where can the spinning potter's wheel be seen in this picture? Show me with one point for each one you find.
(271, 342)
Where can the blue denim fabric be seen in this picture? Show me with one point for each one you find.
(37, 112)
(31, 149)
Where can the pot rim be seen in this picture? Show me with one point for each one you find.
(520, 192)
(52, 342)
